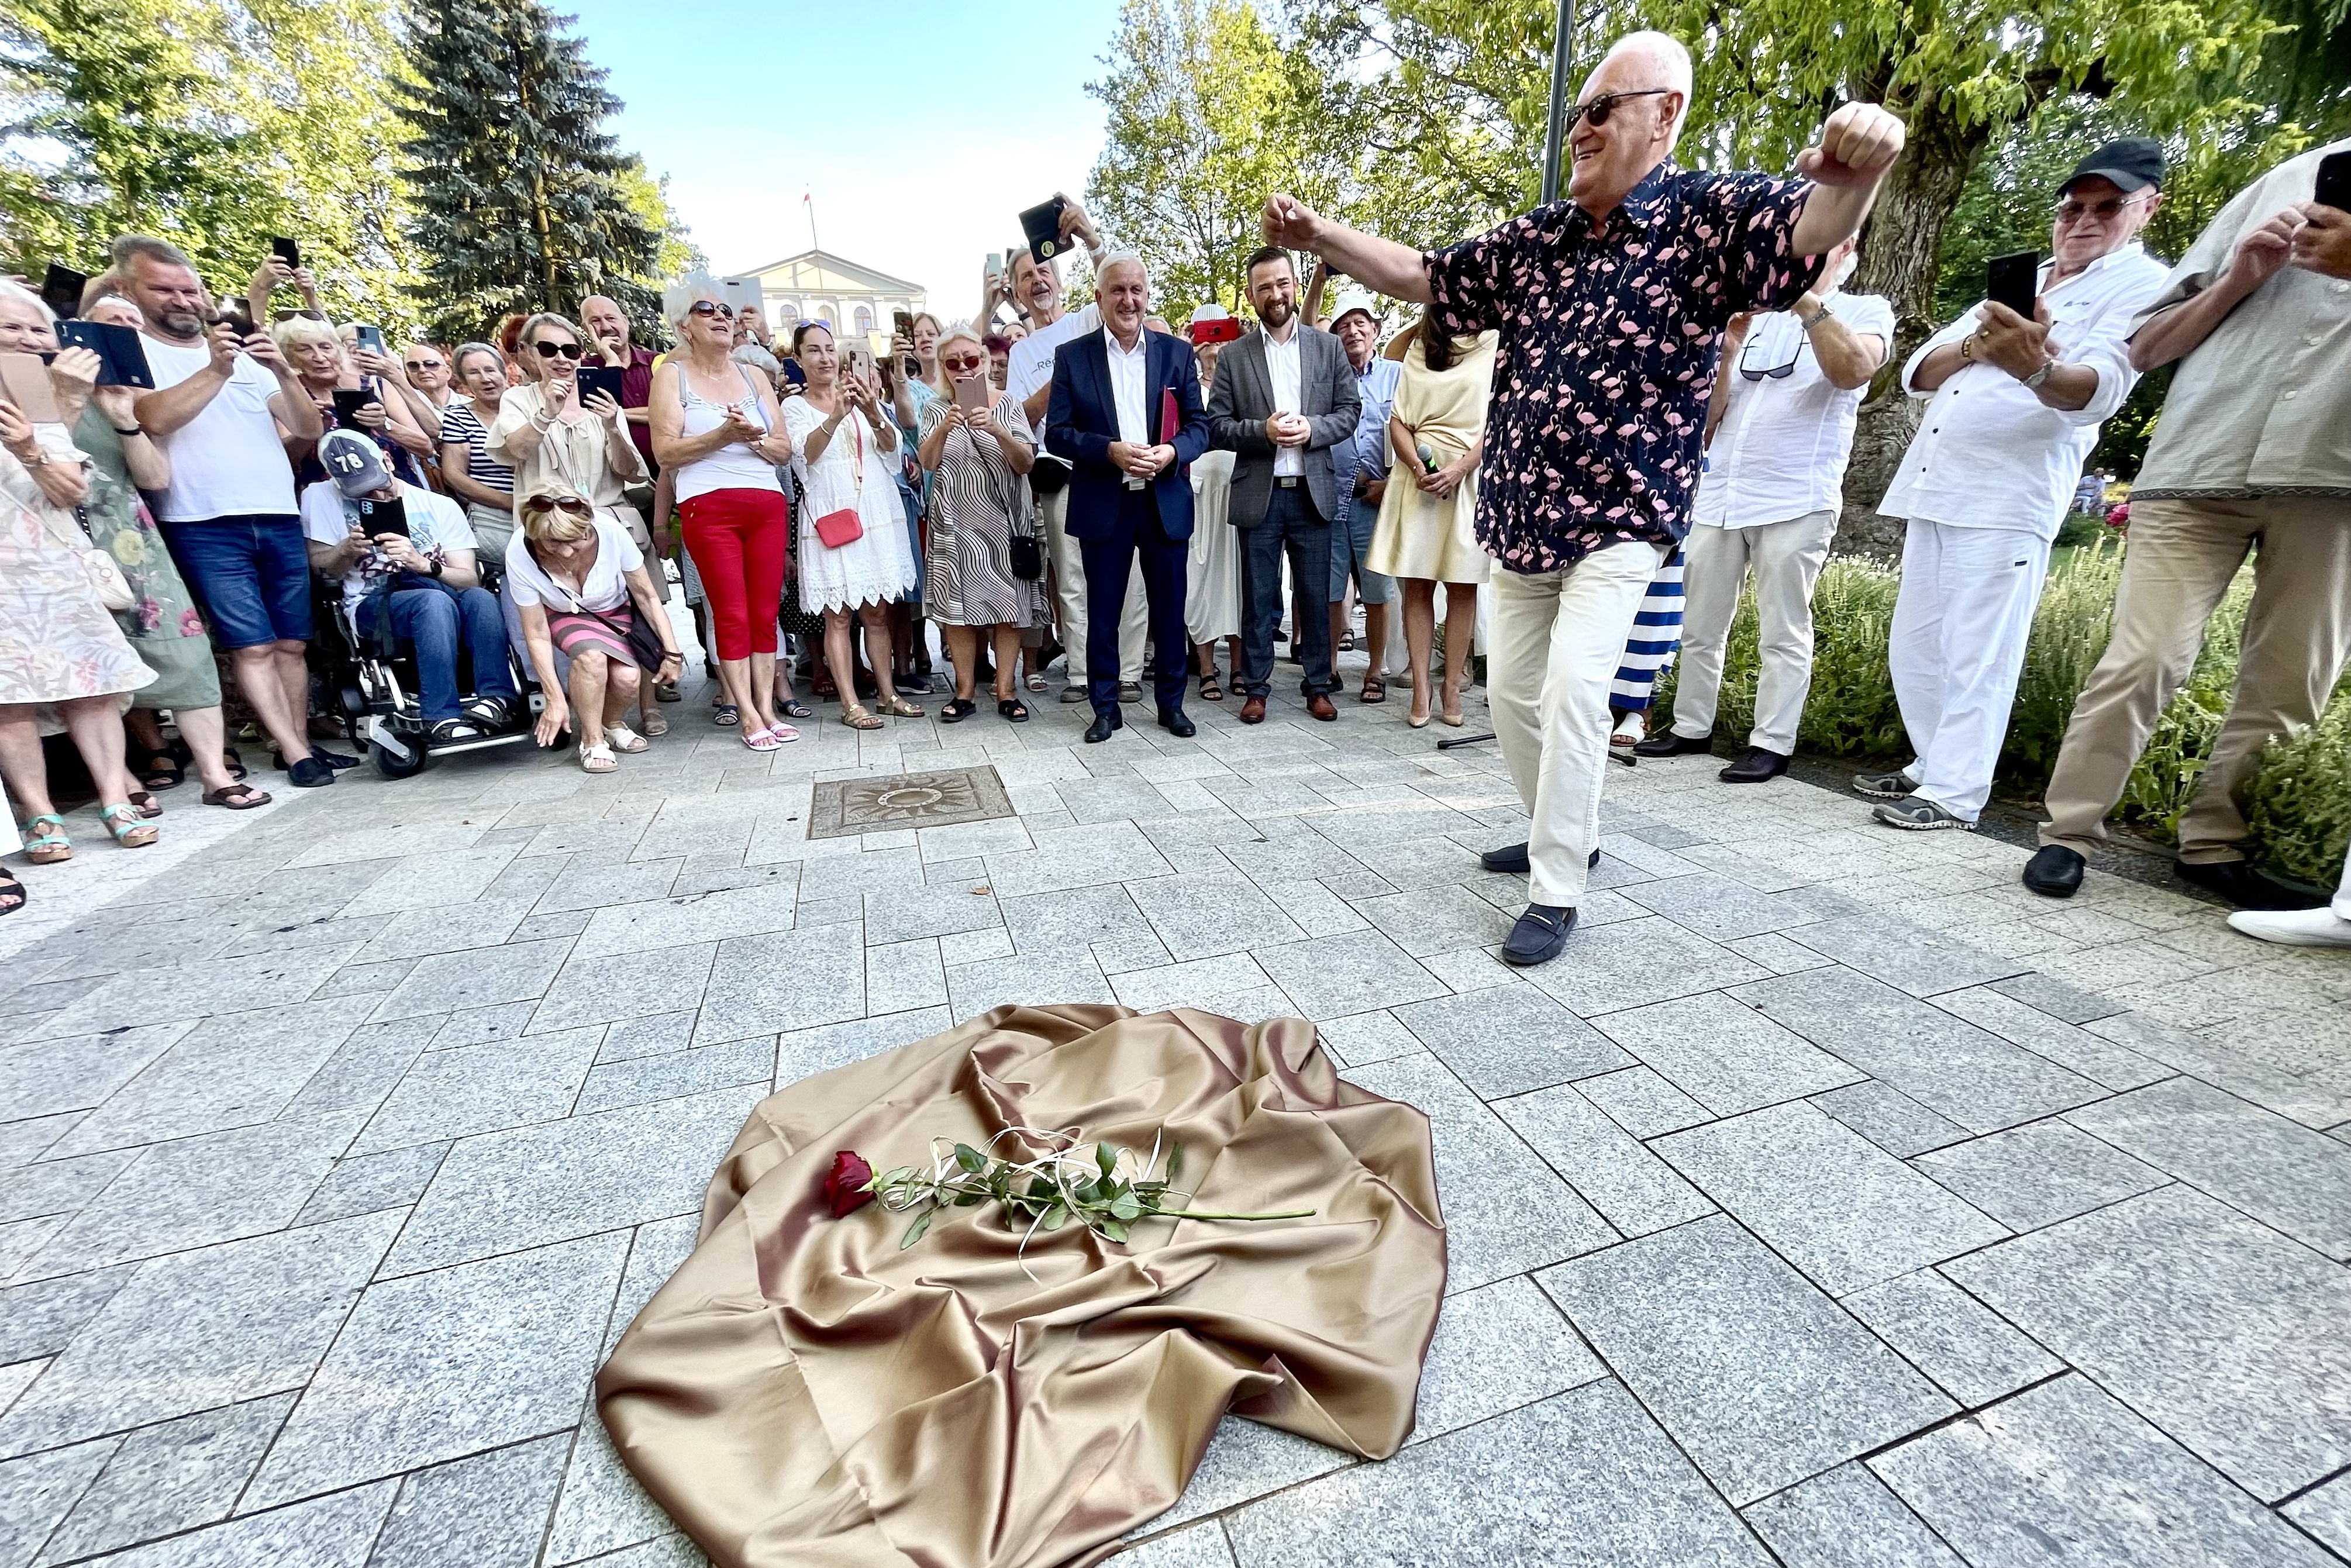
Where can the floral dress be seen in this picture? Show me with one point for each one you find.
(56, 640)
(163, 627)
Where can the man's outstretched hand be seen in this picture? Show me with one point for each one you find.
(1857, 145)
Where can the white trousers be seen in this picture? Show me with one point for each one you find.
(1786, 557)
(1960, 624)
(1556, 640)
(1070, 591)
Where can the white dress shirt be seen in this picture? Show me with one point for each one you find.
(1990, 455)
(1127, 380)
(1781, 450)
(1281, 364)
(1028, 368)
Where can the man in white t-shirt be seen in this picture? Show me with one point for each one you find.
(422, 582)
(1036, 292)
(1779, 430)
(223, 410)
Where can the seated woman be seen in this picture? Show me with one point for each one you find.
(316, 353)
(421, 586)
(979, 460)
(580, 582)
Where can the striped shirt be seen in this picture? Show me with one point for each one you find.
(1657, 635)
(460, 423)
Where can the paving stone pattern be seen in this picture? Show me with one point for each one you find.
(1831, 1203)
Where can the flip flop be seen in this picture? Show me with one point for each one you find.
(236, 797)
(12, 891)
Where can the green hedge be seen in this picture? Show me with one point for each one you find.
(2300, 806)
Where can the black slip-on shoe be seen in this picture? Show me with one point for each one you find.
(1177, 723)
(309, 773)
(1105, 724)
(2242, 886)
(1758, 767)
(2054, 872)
(1669, 744)
(1509, 857)
(1539, 936)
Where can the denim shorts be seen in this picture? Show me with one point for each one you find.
(1351, 547)
(251, 572)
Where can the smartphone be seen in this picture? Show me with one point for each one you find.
(600, 378)
(24, 381)
(371, 337)
(2334, 182)
(384, 517)
(2015, 281)
(903, 323)
(857, 359)
(1041, 227)
(348, 400)
(122, 358)
(286, 250)
(234, 312)
(975, 391)
(995, 264)
(61, 290)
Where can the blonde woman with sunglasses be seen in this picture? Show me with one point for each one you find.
(554, 438)
(580, 583)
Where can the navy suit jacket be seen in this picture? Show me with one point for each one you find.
(1082, 421)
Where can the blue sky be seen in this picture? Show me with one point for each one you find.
(921, 127)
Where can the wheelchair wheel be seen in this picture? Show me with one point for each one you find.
(392, 764)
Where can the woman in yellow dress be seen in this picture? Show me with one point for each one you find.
(1424, 537)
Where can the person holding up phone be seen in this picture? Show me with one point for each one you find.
(718, 433)
(278, 273)
(412, 421)
(978, 450)
(344, 401)
(2251, 457)
(227, 410)
(2014, 404)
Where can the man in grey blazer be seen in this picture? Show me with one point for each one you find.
(1284, 396)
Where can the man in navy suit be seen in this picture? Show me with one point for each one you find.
(1109, 415)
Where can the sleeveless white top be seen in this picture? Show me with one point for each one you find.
(733, 466)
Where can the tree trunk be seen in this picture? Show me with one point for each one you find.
(1900, 251)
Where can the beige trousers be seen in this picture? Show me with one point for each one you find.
(1070, 594)
(1556, 639)
(1787, 558)
(2178, 564)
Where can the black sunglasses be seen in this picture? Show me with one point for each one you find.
(1601, 108)
(711, 307)
(569, 351)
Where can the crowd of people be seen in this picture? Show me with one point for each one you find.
(1608, 455)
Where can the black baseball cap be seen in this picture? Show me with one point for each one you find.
(2133, 163)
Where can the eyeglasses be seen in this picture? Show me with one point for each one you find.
(1601, 108)
(711, 307)
(571, 504)
(2074, 212)
(965, 363)
(423, 364)
(567, 351)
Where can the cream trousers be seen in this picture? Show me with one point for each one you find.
(1070, 593)
(1786, 557)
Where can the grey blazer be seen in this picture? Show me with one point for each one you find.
(1242, 399)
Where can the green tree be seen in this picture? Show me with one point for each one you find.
(214, 125)
(1203, 123)
(523, 199)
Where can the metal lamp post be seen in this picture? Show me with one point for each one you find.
(1562, 45)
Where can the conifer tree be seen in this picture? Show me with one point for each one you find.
(520, 191)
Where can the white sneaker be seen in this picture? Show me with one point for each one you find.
(2320, 927)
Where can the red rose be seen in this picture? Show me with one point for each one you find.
(848, 1186)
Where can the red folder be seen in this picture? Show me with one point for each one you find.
(1171, 416)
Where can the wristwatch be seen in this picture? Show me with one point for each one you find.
(1815, 319)
(2035, 381)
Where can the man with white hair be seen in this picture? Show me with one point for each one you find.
(1125, 413)
(1035, 290)
(1611, 307)
(1359, 470)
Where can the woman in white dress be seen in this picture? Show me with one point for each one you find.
(1212, 598)
(843, 449)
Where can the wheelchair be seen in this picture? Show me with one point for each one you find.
(376, 698)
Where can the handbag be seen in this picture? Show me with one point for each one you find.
(1028, 557)
(844, 527)
(644, 643)
(98, 568)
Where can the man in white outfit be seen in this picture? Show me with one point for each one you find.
(1036, 292)
(1780, 428)
(2013, 406)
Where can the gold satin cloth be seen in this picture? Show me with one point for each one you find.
(803, 1392)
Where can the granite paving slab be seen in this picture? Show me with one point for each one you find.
(2325, 1512)
(1610, 1491)
(1728, 1057)
(2093, 1056)
(1632, 963)
(2038, 1174)
(2065, 1473)
(1756, 1374)
(489, 1510)
(1845, 1518)
(1910, 958)
(1511, 1038)
(1498, 1347)
(1197, 1546)
(166, 1479)
(1642, 1103)
(2276, 1170)
(37, 1491)
(1637, 1191)
(1889, 1118)
(1966, 1074)
(1968, 1350)
(1332, 977)
(324, 1533)
(435, 1365)
(1840, 1208)
(2223, 1333)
